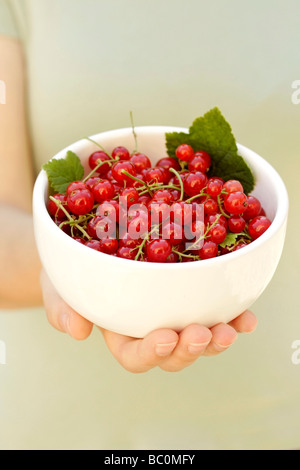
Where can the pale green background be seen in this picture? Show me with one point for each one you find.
(168, 61)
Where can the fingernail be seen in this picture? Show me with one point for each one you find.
(65, 322)
(165, 349)
(196, 348)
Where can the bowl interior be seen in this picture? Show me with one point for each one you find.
(269, 187)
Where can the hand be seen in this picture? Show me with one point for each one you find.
(164, 348)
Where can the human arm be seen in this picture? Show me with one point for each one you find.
(19, 261)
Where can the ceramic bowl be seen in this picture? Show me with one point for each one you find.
(134, 298)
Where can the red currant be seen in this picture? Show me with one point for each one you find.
(94, 244)
(184, 152)
(98, 157)
(200, 162)
(140, 161)
(217, 233)
(120, 153)
(75, 186)
(158, 250)
(127, 253)
(168, 163)
(194, 183)
(130, 196)
(80, 201)
(208, 250)
(214, 187)
(53, 208)
(258, 226)
(236, 223)
(103, 190)
(109, 245)
(119, 167)
(253, 208)
(233, 186)
(235, 202)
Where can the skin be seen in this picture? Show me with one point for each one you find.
(23, 282)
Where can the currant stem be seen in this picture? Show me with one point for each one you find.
(133, 132)
(109, 162)
(194, 245)
(137, 179)
(172, 170)
(180, 254)
(100, 147)
(72, 221)
(141, 246)
(221, 208)
(202, 193)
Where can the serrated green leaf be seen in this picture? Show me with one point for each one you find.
(62, 172)
(230, 239)
(174, 139)
(213, 134)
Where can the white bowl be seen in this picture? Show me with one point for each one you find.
(134, 298)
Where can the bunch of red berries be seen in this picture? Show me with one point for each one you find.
(173, 212)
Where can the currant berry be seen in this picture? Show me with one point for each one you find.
(129, 196)
(184, 152)
(172, 232)
(233, 186)
(129, 242)
(75, 185)
(156, 175)
(127, 253)
(194, 183)
(94, 244)
(121, 153)
(236, 224)
(109, 245)
(214, 187)
(140, 161)
(103, 190)
(208, 250)
(80, 201)
(211, 219)
(119, 167)
(253, 208)
(110, 209)
(98, 157)
(258, 226)
(200, 162)
(168, 163)
(235, 203)
(163, 195)
(217, 233)
(92, 181)
(210, 206)
(53, 208)
(158, 250)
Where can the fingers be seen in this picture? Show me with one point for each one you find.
(245, 323)
(193, 342)
(223, 336)
(141, 355)
(60, 315)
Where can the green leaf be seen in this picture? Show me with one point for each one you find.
(230, 239)
(62, 172)
(213, 134)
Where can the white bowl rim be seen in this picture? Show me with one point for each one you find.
(280, 217)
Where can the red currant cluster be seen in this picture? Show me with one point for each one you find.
(171, 213)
